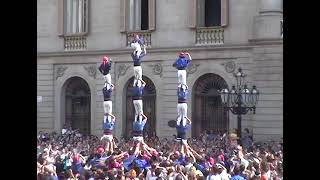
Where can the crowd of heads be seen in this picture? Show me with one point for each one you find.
(73, 155)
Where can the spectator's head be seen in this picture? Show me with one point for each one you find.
(157, 172)
(179, 177)
(214, 169)
(242, 168)
(236, 169)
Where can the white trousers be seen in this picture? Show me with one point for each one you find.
(107, 106)
(182, 76)
(107, 79)
(108, 138)
(107, 119)
(182, 109)
(138, 106)
(138, 138)
(137, 70)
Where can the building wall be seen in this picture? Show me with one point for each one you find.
(248, 44)
(172, 24)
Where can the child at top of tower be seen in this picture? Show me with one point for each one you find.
(181, 65)
(137, 56)
(105, 68)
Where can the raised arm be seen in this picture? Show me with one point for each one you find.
(189, 56)
(143, 82)
(185, 86)
(144, 116)
(144, 49)
(113, 117)
(189, 120)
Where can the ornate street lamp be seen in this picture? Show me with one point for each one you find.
(239, 99)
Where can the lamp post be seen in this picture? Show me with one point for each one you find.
(239, 99)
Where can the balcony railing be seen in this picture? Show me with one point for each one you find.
(145, 34)
(75, 43)
(209, 35)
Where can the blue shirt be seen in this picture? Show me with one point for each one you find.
(105, 68)
(137, 92)
(138, 126)
(181, 63)
(237, 177)
(181, 160)
(127, 163)
(182, 95)
(107, 93)
(137, 59)
(108, 125)
(183, 129)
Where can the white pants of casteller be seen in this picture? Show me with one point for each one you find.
(108, 138)
(107, 106)
(138, 138)
(137, 70)
(182, 76)
(107, 118)
(138, 106)
(107, 79)
(182, 109)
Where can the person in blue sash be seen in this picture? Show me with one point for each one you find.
(108, 127)
(182, 106)
(181, 65)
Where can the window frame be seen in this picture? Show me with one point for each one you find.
(62, 20)
(124, 17)
(193, 24)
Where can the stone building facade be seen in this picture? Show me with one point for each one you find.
(221, 36)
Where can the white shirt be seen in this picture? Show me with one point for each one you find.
(149, 175)
(213, 177)
(224, 175)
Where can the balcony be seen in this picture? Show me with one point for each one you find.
(75, 42)
(209, 35)
(145, 34)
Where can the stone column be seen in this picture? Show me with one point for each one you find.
(137, 14)
(267, 25)
(131, 15)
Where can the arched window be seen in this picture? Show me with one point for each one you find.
(208, 113)
(77, 104)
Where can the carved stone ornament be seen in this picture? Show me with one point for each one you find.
(157, 69)
(192, 68)
(229, 66)
(60, 71)
(122, 69)
(92, 70)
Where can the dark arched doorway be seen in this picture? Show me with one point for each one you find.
(77, 104)
(149, 107)
(207, 112)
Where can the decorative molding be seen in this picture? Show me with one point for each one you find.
(157, 69)
(60, 71)
(229, 66)
(122, 69)
(192, 68)
(153, 50)
(92, 70)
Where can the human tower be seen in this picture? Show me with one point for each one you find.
(183, 123)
